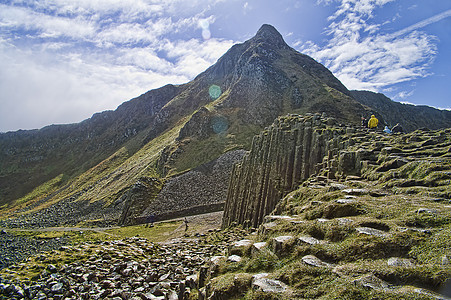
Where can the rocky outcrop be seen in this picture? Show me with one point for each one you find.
(296, 147)
(281, 157)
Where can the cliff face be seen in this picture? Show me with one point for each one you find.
(281, 157)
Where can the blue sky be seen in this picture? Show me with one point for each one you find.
(63, 60)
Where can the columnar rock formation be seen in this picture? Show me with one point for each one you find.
(281, 157)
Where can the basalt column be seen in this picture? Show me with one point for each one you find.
(281, 157)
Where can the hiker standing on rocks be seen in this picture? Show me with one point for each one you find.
(372, 123)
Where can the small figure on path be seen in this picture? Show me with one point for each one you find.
(186, 224)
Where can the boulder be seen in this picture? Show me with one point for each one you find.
(355, 192)
(309, 240)
(273, 218)
(267, 285)
(281, 244)
(400, 262)
(372, 231)
(234, 258)
(314, 261)
(257, 247)
(240, 247)
(370, 281)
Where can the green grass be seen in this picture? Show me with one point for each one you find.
(37, 194)
(434, 249)
(158, 233)
(108, 179)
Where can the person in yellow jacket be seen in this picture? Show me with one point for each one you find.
(372, 123)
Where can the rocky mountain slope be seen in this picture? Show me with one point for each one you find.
(31, 158)
(89, 172)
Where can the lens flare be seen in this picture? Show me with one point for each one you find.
(206, 34)
(214, 91)
(219, 124)
(205, 25)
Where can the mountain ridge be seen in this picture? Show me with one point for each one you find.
(175, 128)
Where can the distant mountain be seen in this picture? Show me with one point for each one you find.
(410, 117)
(174, 129)
(30, 158)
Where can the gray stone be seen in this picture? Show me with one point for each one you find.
(240, 247)
(234, 258)
(279, 243)
(57, 288)
(430, 294)
(297, 222)
(269, 285)
(400, 262)
(310, 240)
(257, 247)
(323, 220)
(272, 218)
(265, 228)
(338, 186)
(164, 277)
(372, 231)
(356, 192)
(372, 282)
(427, 211)
(191, 281)
(172, 295)
(344, 221)
(127, 272)
(315, 262)
(215, 260)
(259, 275)
(345, 201)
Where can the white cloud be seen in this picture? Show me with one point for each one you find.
(423, 23)
(68, 90)
(194, 56)
(49, 26)
(404, 95)
(61, 60)
(363, 57)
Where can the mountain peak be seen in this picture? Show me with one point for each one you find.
(268, 34)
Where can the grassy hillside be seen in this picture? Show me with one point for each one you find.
(104, 182)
